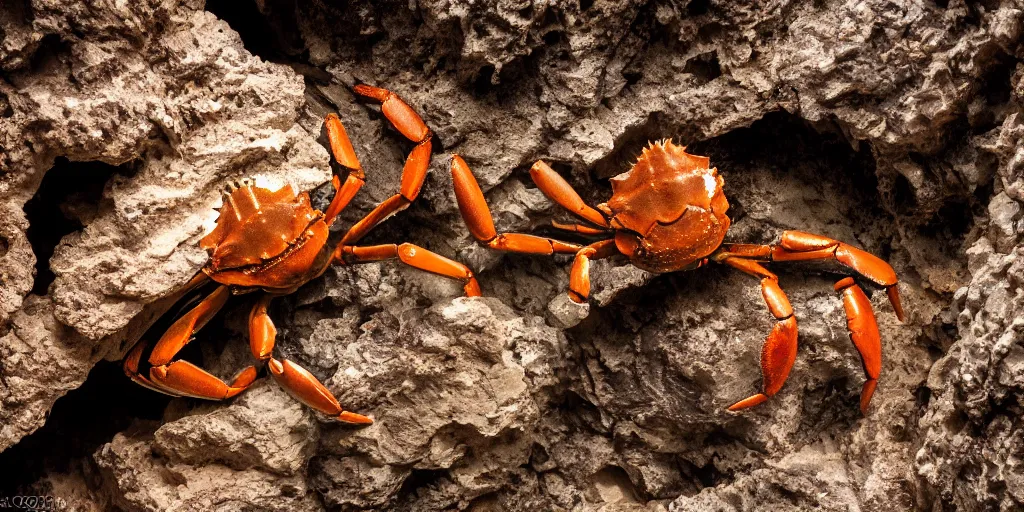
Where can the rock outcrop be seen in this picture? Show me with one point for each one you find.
(895, 127)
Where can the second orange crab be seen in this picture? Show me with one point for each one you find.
(668, 213)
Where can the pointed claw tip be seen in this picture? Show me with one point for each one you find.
(472, 289)
(894, 297)
(456, 160)
(749, 402)
(865, 395)
(354, 419)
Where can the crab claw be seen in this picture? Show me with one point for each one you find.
(304, 387)
(860, 320)
(800, 246)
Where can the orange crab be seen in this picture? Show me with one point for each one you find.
(273, 242)
(667, 213)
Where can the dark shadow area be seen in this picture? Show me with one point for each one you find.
(422, 485)
(53, 211)
(109, 402)
(705, 67)
(260, 38)
(79, 423)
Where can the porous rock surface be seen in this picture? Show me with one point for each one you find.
(893, 126)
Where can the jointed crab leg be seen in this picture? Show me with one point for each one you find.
(779, 350)
(296, 380)
(800, 246)
(182, 378)
(477, 215)
(860, 319)
(579, 276)
(345, 155)
(580, 228)
(412, 255)
(406, 121)
(560, 191)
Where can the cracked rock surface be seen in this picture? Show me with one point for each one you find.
(893, 126)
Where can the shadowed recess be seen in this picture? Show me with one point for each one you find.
(79, 423)
(53, 212)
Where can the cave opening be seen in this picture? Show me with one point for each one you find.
(57, 206)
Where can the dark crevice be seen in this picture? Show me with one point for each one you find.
(698, 7)
(53, 212)
(19, 11)
(552, 38)
(420, 479)
(79, 423)
(903, 196)
(278, 42)
(705, 67)
(5, 106)
(51, 52)
(996, 88)
(953, 220)
(707, 475)
(484, 81)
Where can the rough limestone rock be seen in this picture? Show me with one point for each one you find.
(894, 126)
(167, 89)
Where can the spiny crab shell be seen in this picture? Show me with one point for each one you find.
(263, 238)
(669, 208)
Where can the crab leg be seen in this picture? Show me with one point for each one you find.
(296, 380)
(401, 115)
(477, 216)
(779, 350)
(860, 320)
(409, 124)
(414, 256)
(560, 191)
(580, 228)
(800, 246)
(345, 155)
(182, 378)
(579, 277)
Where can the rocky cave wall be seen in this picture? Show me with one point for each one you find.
(891, 125)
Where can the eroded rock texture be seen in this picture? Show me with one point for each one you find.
(893, 126)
